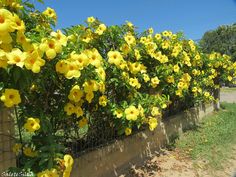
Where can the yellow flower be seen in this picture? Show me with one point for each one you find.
(90, 19)
(125, 48)
(32, 124)
(137, 54)
(152, 123)
(206, 94)
(146, 78)
(51, 47)
(16, 148)
(62, 66)
(83, 122)
(72, 70)
(79, 111)
(150, 31)
(229, 78)
(75, 94)
(131, 113)
(128, 131)
(130, 39)
(101, 73)
(33, 62)
(90, 86)
(179, 93)
(101, 87)
(170, 79)
(134, 67)
(89, 96)
(69, 161)
(165, 44)
(114, 57)
(69, 109)
(155, 111)
(194, 89)
(101, 28)
(5, 38)
(94, 56)
(118, 113)
(103, 100)
(82, 60)
(5, 21)
(154, 82)
(134, 83)
(176, 68)
(3, 59)
(141, 111)
(17, 23)
(180, 85)
(163, 106)
(157, 36)
(29, 152)
(11, 97)
(21, 38)
(16, 57)
(50, 13)
(60, 37)
(129, 24)
(48, 173)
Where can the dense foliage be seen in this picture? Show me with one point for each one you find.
(222, 40)
(64, 83)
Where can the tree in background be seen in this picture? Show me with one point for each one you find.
(222, 40)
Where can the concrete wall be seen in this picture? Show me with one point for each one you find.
(7, 157)
(115, 158)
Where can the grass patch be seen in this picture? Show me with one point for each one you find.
(228, 89)
(214, 138)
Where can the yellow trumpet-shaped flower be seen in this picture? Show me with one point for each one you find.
(16, 57)
(103, 100)
(130, 39)
(155, 111)
(34, 62)
(128, 131)
(6, 19)
(91, 19)
(60, 37)
(29, 152)
(75, 94)
(69, 109)
(89, 96)
(114, 57)
(48, 173)
(83, 122)
(32, 124)
(16, 148)
(155, 81)
(69, 161)
(152, 123)
(50, 13)
(101, 28)
(131, 113)
(51, 47)
(17, 23)
(11, 97)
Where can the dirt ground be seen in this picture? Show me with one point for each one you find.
(175, 164)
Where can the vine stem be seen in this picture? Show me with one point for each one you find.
(19, 129)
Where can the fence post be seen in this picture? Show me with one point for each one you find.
(7, 157)
(216, 95)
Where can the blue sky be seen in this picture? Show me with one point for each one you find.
(193, 17)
